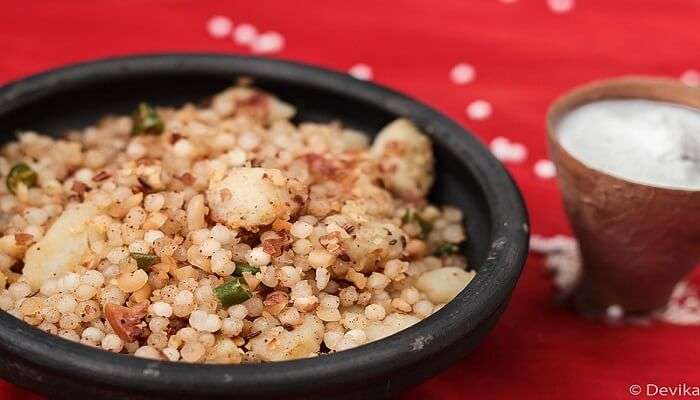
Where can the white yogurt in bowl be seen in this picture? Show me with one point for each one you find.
(643, 141)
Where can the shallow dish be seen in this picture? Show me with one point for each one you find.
(467, 177)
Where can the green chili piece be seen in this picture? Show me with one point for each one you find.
(242, 267)
(20, 173)
(145, 121)
(144, 261)
(446, 249)
(412, 217)
(232, 292)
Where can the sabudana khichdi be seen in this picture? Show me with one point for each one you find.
(224, 233)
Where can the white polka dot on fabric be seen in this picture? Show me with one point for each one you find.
(479, 110)
(561, 6)
(691, 77)
(245, 34)
(361, 71)
(506, 151)
(462, 73)
(219, 26)
(268, 42)
(545, 169)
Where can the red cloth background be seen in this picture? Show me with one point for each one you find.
(524, 55)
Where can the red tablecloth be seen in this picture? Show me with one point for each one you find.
(524, 53)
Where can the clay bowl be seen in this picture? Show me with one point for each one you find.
(637, 241)
(468, 176)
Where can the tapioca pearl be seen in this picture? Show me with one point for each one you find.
(561, 6)
(691, 77)
(462, 73)
(244, 34)
(545, 169)
(219, 26)
(361, 71)
(268, 42)
(518, 152)
(249, 141)
(479, 110)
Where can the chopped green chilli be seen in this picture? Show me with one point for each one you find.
(412, 217)
(446, 249)
(242, 267)
(145, 121)
(144, 261)
(232, 292)
(21, 173)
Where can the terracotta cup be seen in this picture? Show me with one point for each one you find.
(637, 241)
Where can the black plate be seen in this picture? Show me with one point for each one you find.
(467, 176)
